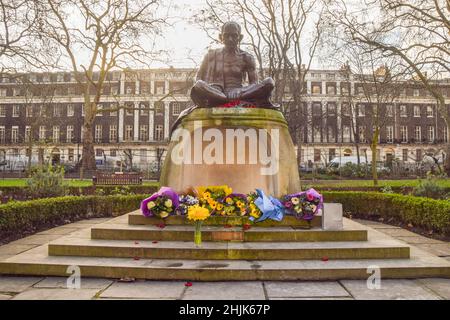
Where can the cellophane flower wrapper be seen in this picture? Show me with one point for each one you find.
(163, 193)
(270, 207)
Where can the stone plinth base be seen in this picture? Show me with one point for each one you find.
(244, 148)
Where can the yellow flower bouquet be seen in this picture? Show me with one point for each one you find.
(198, 214)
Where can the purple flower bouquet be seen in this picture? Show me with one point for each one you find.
(304, 205)
(160, 204)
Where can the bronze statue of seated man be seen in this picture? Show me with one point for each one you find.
(223, 71)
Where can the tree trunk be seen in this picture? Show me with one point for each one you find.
(447, 152)
(374, 146)
(88, 162)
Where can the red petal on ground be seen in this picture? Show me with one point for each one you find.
(324, 258)
(161, 225)
(246, 226)
(136, 242)
(228, 226)
(137, 258)
(155, 241)
(188, 284)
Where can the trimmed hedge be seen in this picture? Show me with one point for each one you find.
(21, 193)
(17, 218)
(422, 212)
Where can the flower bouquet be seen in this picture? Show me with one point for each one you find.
(253, 209)
(198, 214)
(160, 204)
(212, 198)
(304, 205)
(235, 204)
(185, 201)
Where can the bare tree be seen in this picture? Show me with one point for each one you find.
(283, 35)
(107, 35)
(417, 32)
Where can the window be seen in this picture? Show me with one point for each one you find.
(42, 111)
(71, 154)
(331, 109)
(15, 134)
(99, 112)
(69, 134)
(15, 111)
(98, 133)
(418, 133)
(16, 92)
(362, 134)
(316, 89)
(60, 77)
(431, 134)
(405, 155)
(176, 108)
(159, 132)
(316, 155)
(346, 109)
(42, 133)
(114, 91)
(2, 111)
(113, 112)
(317, 134)
(389, 110)
(346, 134)
(317, 109)
(129, 90)
(143, 155)
(2, 134)
(56, 111)
(416, 111)
(29, 111)
(143, 133)
(403, 112)
(330, 133)
(55, 134)
(159, 107)
(3, 92)
(331, 90)
(159, 88)
(128, 133)
(113, 133)
(430, 112)
(404, 134)
(389, 134)
(70, 110)
(416, 93)
(113, 152)
(361, 110)
(27, 135)
(344, 90)
(418, 155)
(143, 109)
(129, 109)
(99, 152)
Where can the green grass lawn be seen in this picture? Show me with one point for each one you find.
(72, 183)
(369, 183)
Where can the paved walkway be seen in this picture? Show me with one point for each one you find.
(95, 288)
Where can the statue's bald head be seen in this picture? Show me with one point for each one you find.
(231, 25)
(231, 34)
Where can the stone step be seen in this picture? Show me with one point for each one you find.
(376, 249)
(220, 233)
(136, 218)
(37, 262)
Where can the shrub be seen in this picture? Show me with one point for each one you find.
(429, 188)
(47, 181)
(425, 213)
(17, 218)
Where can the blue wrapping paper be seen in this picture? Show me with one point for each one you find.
(271, 208)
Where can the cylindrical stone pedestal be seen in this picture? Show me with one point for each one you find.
(244, 148)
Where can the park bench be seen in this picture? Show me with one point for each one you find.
(118, 178)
